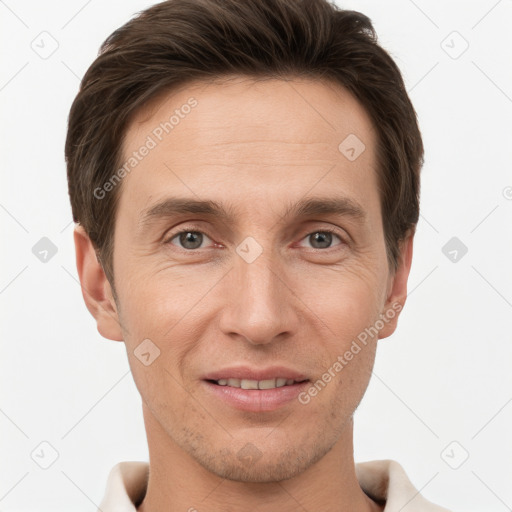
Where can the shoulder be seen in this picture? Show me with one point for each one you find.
(386, 480)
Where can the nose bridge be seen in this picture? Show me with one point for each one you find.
(258, 307)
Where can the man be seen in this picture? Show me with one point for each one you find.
(245, 179)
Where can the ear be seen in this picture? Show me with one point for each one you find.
(397, 289)
(96, 289)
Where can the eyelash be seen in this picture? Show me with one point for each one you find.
(191, 229)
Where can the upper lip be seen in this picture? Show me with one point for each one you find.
(246, 372)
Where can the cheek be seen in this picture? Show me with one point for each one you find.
(168, 308)
(353, 379)
(156, 301)
(346, 299)
(344, 310)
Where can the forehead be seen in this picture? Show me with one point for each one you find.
(243, 107)
(244, 136)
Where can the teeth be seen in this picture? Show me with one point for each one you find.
(248, 384)
(267, 384)
(255, 384)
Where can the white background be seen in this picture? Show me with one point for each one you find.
(444, 376)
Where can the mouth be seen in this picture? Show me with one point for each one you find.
(253, 390)
(278, 382)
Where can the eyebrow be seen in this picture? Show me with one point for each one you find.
(174, 206)
(342, 206)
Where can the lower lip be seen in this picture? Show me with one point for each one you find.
(256, 400)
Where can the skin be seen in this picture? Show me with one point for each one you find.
(257, 147)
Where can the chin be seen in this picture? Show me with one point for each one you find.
(250, 465)
(260, 472)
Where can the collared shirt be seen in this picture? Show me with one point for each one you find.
(381, 480)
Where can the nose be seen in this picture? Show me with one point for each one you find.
(259, 307)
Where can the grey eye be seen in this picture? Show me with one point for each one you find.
(320, 239)
(190, 239)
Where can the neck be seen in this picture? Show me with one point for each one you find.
(178, 482)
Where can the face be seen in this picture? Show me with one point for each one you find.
(249, 246)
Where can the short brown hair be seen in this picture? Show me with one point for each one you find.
(180, 41)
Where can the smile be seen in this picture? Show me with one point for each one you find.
(278, 382)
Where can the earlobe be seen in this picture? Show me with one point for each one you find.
(397, 289)
(96, 289)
